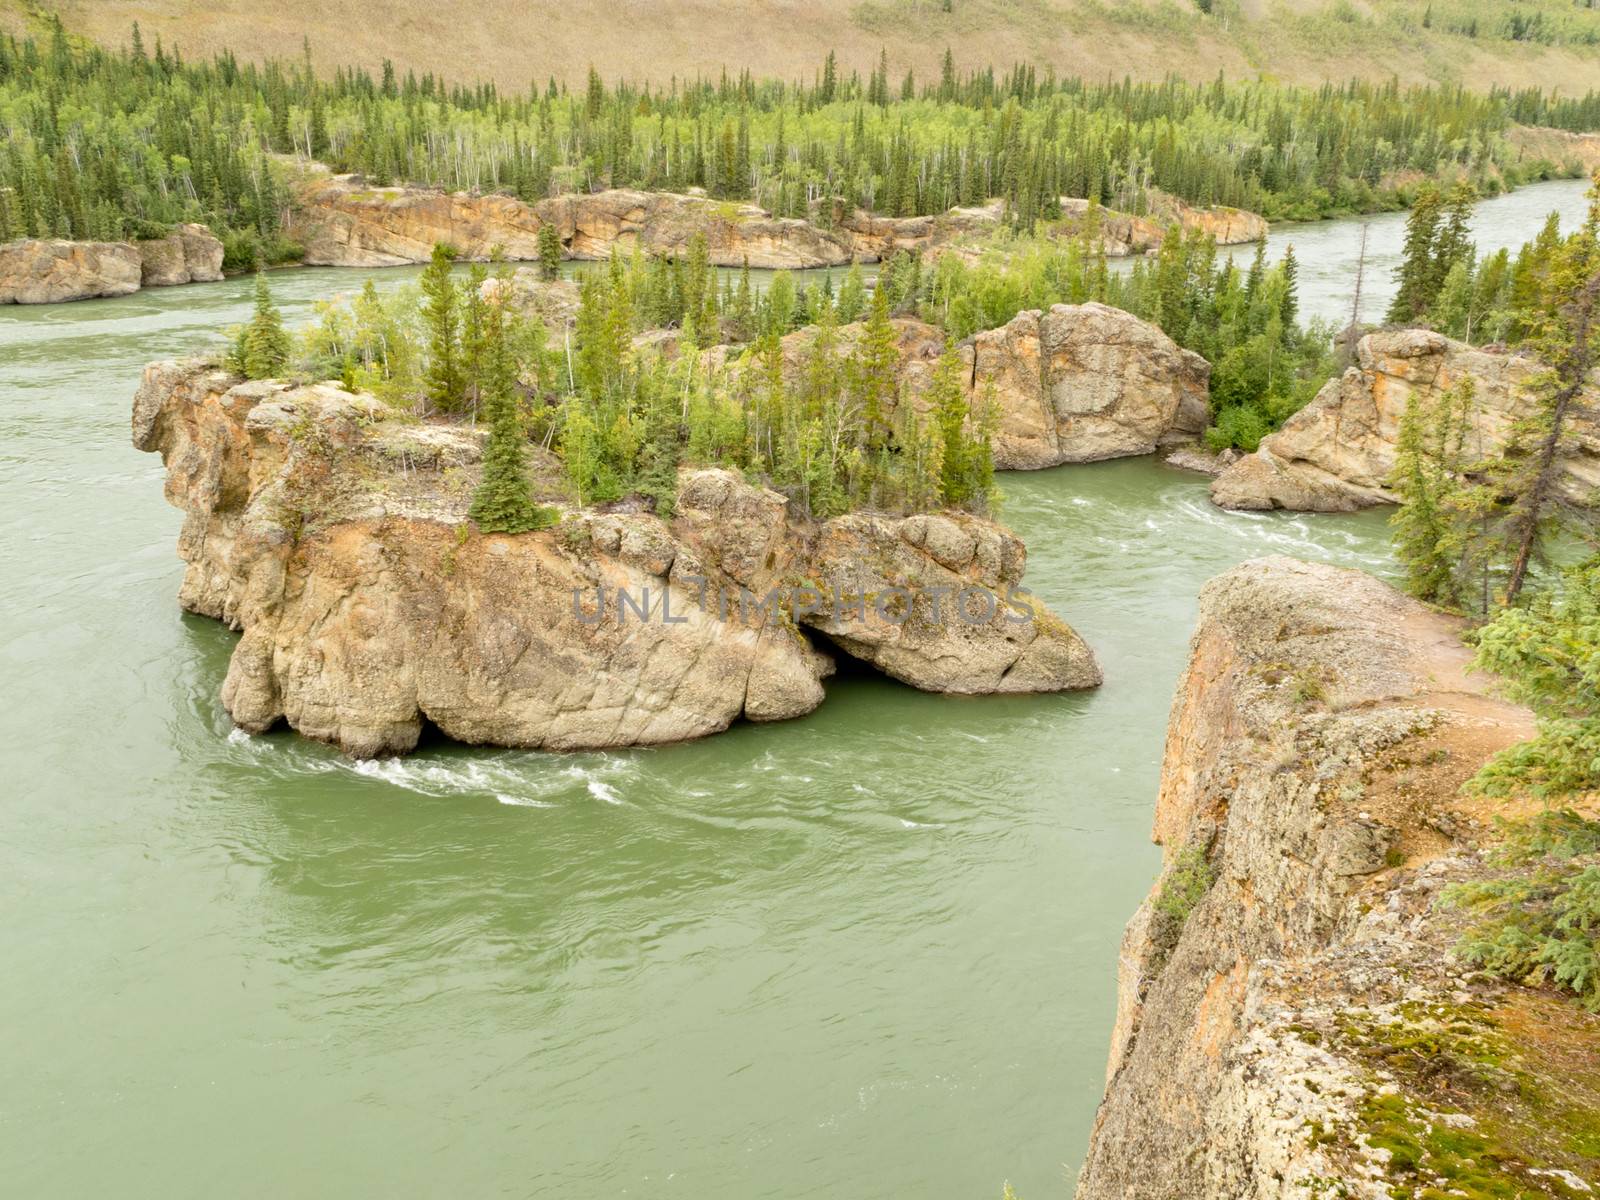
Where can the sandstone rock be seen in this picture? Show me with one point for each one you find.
(1108, 385)
(1084, 382)
(666, 223)
(336, 540)
(1126, 233)
(1195, 456)
(1337, 453)
(554, 301)
(50, 271)
(1301, 679)
(342, 221)
(954, 624)
(189, 254)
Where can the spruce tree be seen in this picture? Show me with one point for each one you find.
(1567, 338)
(1435, 526)
(264, 344)
(504, 500)
(948, 401)
(549, 252)
(1415, 275)
(442, 316)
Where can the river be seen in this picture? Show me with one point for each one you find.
(869, 953)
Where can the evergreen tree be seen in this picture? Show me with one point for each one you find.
(504, 500)
(1435, 525)
(264, 343)
(549, 252)
(1416, 273)
(441, 313)
(1567, 337)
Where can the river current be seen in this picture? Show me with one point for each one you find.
(869, 953)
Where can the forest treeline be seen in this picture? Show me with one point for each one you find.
(102, 143)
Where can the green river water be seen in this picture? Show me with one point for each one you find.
(870, 953)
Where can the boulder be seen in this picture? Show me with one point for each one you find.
(1337, 453)
(52, 270)
(335, 538)
(1084, 382)
(933, 600)
(189, 254)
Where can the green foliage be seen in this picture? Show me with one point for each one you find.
(98, 140)
(441, 312)
(263, 346)
(1473, 528)
(504, 500)
(1541, 923)
(1184, 885)
(1439, 511)
(1549, 654)
(549, 252)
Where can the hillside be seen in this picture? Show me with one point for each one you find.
(1480, 43)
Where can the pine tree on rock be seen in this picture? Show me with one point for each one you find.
(504, 500)
(263, 350)
(441, 314)
(549, 252)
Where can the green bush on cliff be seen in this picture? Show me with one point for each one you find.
(1541, 923)
(1183, 886)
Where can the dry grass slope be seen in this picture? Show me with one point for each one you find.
(515, 42)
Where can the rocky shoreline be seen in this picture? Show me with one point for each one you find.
(1337, 453)
(341, 221)
(344, 222)
(54, 270)
(334, 536)
(1291, 1022)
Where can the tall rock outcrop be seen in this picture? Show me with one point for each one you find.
(1337, 453)
(53, 270)
(189, 254)
(1076, 383)
(1085, 382)
(1290, 1021)
(336, 539)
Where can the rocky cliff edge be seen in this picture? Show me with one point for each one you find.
(1291, 1022)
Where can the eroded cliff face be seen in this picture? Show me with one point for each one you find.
(335, 538)
(1077, 383)
(1337, 453)
(344, 222)
(1291, 1023)
(53, 270)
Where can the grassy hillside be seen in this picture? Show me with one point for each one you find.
(1545, 43)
